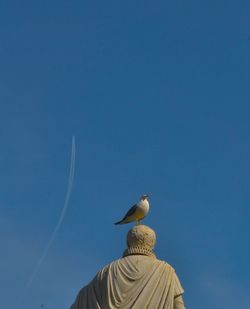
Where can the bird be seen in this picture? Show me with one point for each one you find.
(137, 212)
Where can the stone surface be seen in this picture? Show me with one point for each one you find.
(138, 280)
(141, 239)
(141, 235)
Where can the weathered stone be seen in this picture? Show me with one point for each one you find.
(138, 280)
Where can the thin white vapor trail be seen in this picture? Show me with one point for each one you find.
(58, 225)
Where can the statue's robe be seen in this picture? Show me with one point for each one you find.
(135, 281)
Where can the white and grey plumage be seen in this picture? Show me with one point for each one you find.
(136, 212)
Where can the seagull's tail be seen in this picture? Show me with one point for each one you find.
(120, 222)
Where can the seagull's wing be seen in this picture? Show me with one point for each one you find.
(131, 211)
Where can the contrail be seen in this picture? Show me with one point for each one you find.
(58, 225)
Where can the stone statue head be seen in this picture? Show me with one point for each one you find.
(141, 240)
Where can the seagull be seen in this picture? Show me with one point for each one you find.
(136, 212)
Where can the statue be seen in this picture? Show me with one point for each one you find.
(138, 280)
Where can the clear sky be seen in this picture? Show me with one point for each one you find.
(157, 95)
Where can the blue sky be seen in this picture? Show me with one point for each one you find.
(157, 95)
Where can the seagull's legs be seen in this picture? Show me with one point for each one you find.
(138, 222)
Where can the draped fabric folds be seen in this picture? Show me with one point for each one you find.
(134, 281)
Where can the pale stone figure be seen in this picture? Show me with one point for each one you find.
(136, 281)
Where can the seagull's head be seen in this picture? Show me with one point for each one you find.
(144, 197)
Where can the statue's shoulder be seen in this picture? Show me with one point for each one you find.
(166, 265)
(108, 267)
